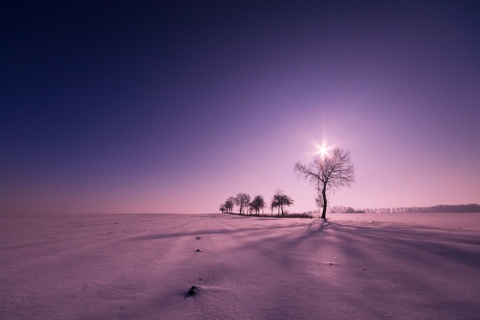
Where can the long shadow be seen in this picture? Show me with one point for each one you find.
(413, 243)
(423, 254)
(399, 238)
(409, 241)
(219, 231)
(409, 244)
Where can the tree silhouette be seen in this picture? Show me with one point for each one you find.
(328, 172)
(257, 203)
(222, 208)
(229, 203)
(279, 200)
(242, 200)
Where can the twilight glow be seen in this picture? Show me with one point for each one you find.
(174, 107)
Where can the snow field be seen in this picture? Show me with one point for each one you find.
(138, 266)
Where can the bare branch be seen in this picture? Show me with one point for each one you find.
(328, 172)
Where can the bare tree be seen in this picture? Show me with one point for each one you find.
(279, 200)
(229, 203)
(257, 203)
(242, 200)
(328, 172)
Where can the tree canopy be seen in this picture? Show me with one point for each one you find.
(242, 200)
(257, 203)
(279, 200)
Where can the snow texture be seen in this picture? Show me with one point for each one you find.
(138, 266)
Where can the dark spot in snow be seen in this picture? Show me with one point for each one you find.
(364, 269)
(198, 238)
(200, 279)
(198, 250)
(192, 291)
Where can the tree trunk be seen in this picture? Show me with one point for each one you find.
(281, 207)
(324, 211)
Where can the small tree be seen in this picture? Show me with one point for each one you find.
(328, 171)
(257, 203)
(279, 200)
(242, 200)
(222, 208)
(229, 203)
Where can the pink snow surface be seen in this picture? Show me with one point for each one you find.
(137, 266)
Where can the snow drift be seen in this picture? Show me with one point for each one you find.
(166, 266)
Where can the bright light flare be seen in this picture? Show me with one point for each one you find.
(322, 150)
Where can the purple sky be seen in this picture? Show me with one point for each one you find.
(172, 106)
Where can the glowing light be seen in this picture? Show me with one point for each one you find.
(322, 150)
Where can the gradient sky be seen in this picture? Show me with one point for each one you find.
(172, 106)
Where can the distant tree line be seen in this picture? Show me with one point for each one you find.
(253, 207)
(329, 171)
(433, 209)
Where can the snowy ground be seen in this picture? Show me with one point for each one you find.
(355, 266)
